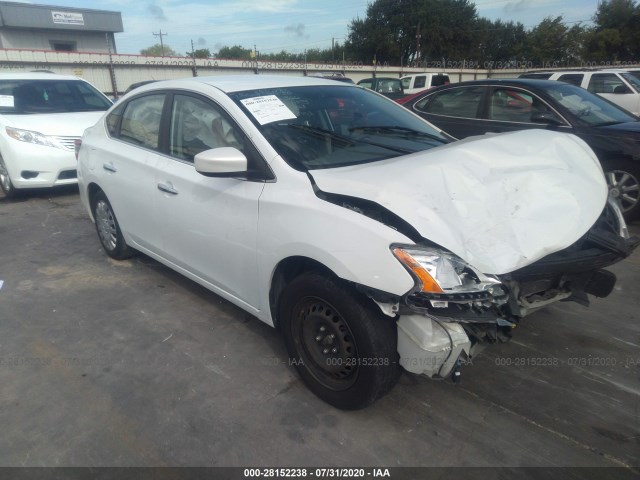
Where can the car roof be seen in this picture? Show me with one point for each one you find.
(530, 82)
(424, 73)
(38, 76)
(238, 83)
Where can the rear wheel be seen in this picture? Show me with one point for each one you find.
(5, 181)
(344, 349)
(623, 178)
(108, 229)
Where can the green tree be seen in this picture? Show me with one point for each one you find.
(552, 44)
(199, 53)
(235, 53)
(158, 50)
(390, 29)
(616, 33)
(498, 41)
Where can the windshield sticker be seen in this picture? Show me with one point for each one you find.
(6, 101)
(268, 109)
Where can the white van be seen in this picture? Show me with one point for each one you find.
(617, 86)
(422, 81)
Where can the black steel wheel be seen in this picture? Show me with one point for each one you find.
(108, 229)
(343, 347)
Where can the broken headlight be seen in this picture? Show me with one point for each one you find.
(442, 275)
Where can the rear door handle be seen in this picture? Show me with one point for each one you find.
(109, 167)
(167, 189)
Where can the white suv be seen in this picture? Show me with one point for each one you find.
(41, 117)
(423, 81)
(617, 86)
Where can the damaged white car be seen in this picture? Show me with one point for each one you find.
(348, 222)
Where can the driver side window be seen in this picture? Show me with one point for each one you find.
(197, 126)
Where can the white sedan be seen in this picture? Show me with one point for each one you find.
(42, 115)
(348, 222)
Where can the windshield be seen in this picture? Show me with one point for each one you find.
(589, 108)
(315, 127)
(49, 96)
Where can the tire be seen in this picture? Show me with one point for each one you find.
(5, 181)
(108, 228)
(344, 349)
(623, 179)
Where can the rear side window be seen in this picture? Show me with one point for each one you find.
(458, 102)
(50, 96)
(510, 105)
(438, 80)
(389, 85)
(606, 83)
(572, 78)
(420, 82)
(140, 123)
(366, 83)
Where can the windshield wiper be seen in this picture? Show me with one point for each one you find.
(320, 131)
(346, 140)
(397, 129)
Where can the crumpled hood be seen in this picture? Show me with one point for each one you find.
(58, 124)
(500, 202)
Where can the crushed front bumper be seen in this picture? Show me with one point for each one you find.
(435, 336)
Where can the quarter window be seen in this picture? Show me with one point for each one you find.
(113, 120)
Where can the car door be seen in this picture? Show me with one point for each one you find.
(455, 110)
(129, 170)
(209, 223)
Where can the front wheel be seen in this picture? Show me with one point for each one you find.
(623, 179)
(5, 181)
(343, 348)
(108, 228)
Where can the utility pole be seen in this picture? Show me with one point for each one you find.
(333, 60)
(418, 37)
(195, 66)
(255, 54)
(161, 42)
(112, 73)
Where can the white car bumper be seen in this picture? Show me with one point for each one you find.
(37, 166)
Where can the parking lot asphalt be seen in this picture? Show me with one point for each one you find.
(106, 363)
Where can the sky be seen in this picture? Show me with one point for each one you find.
(275, 25)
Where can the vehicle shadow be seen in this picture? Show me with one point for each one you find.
(27, 194)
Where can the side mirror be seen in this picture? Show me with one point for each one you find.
(545, 117)
(221, 162)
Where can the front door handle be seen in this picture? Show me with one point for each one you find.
(109, 167)
(167, 189)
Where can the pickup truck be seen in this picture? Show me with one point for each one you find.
(423, 81)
